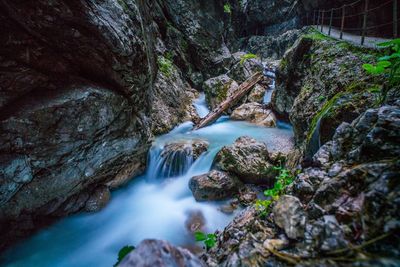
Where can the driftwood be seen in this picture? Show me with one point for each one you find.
(243, 89)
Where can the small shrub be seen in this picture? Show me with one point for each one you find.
(283, 180)
(246, 57)
(227, 8)
(388, 66)
(209, 240)
(123, 252)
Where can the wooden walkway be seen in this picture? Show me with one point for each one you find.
(370, 42)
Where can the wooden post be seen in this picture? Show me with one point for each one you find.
(319, 13)
(364, 28)
(330, 23)
(395, 23)
(322, 21)
(343, 17)
(313, 21)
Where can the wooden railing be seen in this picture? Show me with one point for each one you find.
(322, 17)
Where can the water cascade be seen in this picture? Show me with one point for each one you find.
(156, 205)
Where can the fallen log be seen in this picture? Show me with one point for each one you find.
(243, 89)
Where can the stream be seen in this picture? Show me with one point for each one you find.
(154, 205)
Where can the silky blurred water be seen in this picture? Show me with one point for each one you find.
(146, 208)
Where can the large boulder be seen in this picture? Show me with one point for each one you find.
(255, 113)
(158, 253)
(248, 159)
(215, 185)
(218, 89)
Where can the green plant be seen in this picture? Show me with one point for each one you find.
(387, 65)
(123, 252)
(246, 57)
(209, 240)
(283, 180)
(227, 8)
(165, 65)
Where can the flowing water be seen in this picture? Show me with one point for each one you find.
(155, 205)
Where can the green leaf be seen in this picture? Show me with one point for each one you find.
(200, 236)
(384, 64)
(123, 252)
(210, 243)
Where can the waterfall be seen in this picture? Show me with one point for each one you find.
(315, 140)
(169, 161)
(270, 73)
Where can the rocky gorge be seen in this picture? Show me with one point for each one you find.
(96, 97)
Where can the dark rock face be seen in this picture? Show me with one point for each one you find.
(264, 17)
(74, 102)
(157, 253)
(215, 185)
(272, 47)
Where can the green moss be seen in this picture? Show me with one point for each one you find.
(324, 110)
(283, 63)
(317, 36)
(327, 107)
(165, 66)
(246, 57)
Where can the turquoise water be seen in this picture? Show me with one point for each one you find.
(147, 208)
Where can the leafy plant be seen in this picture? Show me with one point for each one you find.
(123, 252)
(283, 180)
(388, 65)
(165, 65)
(227, 8)
(209, 240)
(246, 57)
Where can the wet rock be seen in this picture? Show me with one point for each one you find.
(195, 221)
(248, 159)
(255, 113)
(218, 89)
(98, 200)
(290, 216)
(191, 148)
(247, 195)
(157, 253)
(215, 185)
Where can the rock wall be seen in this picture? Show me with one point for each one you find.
(76, 80)
(320, 84)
